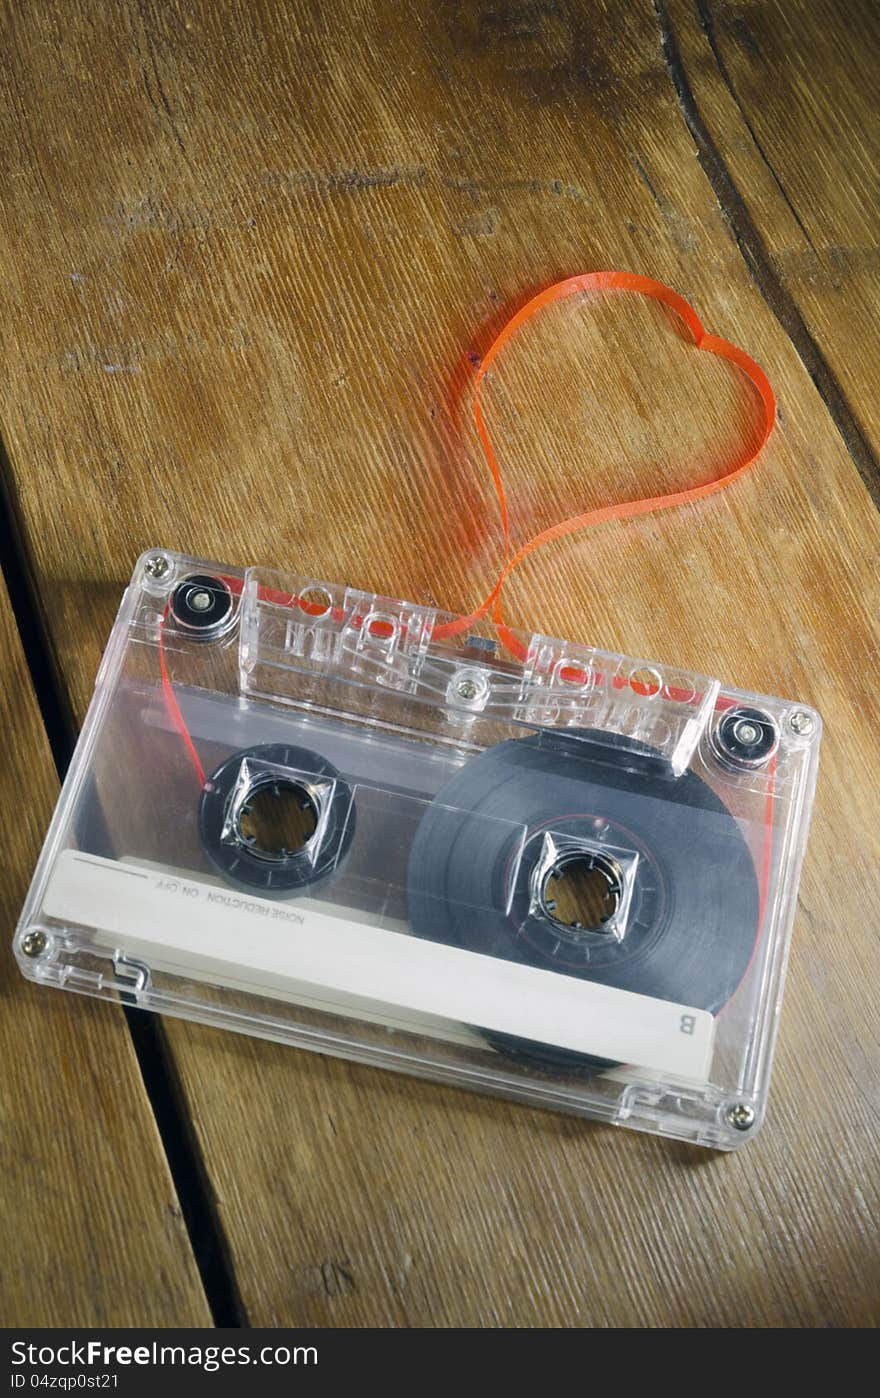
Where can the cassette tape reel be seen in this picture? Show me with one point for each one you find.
(367, 828)
(278, 863)
(679, 916)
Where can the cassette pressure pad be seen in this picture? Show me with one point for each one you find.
(362, 826)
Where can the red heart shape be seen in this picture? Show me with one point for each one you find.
(713, 344)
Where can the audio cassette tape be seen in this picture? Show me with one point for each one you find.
(429, 843)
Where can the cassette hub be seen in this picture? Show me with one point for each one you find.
(278, 817)
(229, 818)
(581, 893)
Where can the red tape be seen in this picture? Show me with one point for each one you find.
(603, 281)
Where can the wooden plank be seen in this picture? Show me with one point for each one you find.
(244, 325)
(90, 1228)
(782, 95)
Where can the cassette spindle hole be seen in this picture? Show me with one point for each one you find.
(581, 893)
(278, 819)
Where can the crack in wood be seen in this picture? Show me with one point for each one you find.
(759, 262)
(707, 24)
(158, 1070)
(158, 100)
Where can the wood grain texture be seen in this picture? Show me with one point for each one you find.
(251, 267)
(783, 92)
(90, 1229)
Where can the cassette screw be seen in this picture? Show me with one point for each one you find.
(801, 723)
(157, 565)
(741, 1116)
(34, 943)
(466, 689)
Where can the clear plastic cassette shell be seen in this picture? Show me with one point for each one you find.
(350, 823)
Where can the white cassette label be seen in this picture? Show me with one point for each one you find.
(294, 951)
